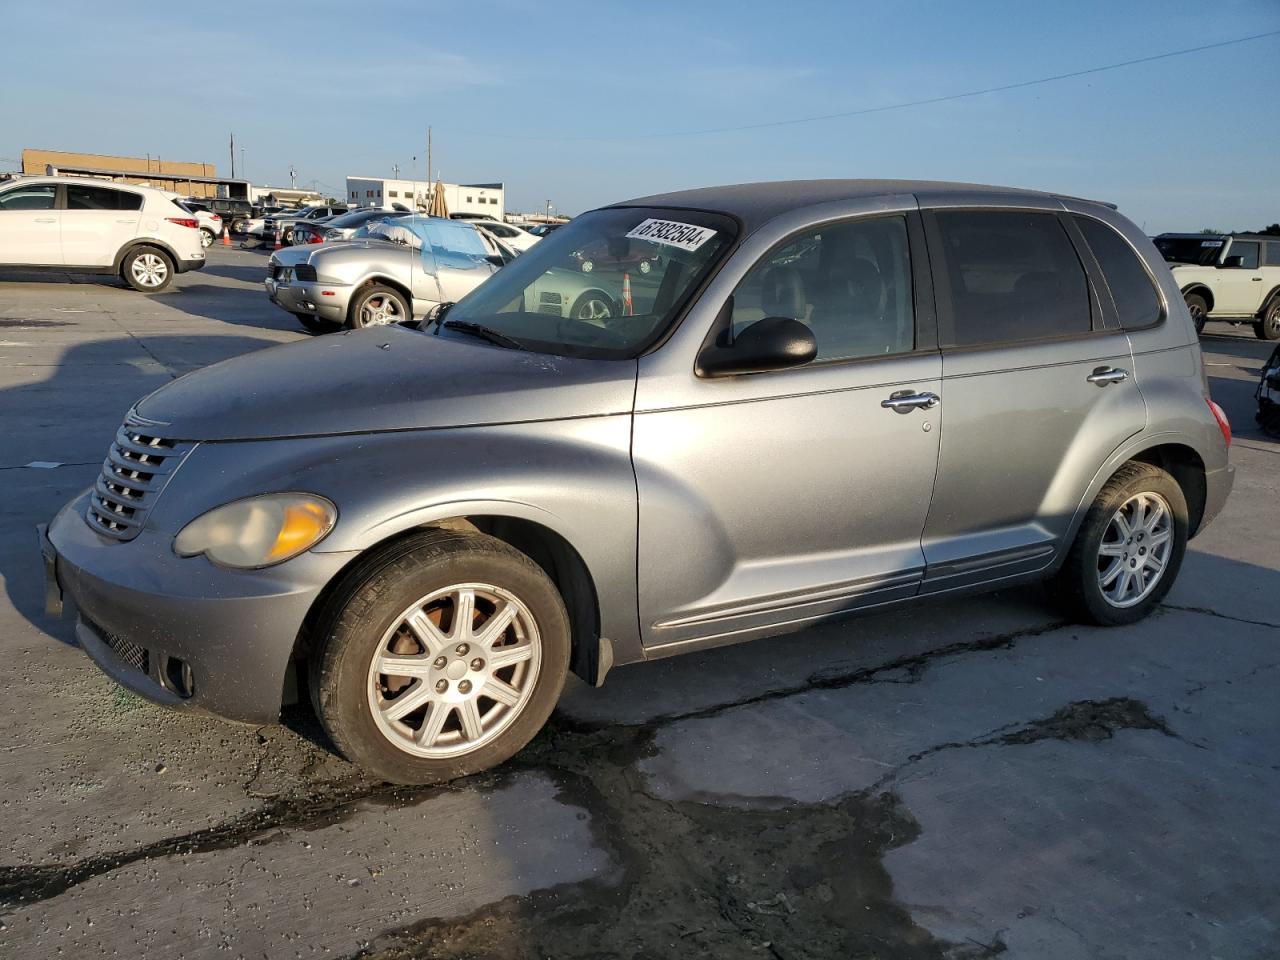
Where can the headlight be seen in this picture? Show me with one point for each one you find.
(258, 531)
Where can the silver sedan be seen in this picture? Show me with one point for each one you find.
(391, 271)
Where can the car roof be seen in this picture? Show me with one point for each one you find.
(757, 203)
(1237, 236)
(96, 182)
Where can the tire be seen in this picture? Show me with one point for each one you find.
(287, 238)
(238, 226)
(377, 305)
(366, 615)
(1078, 585)
(1268, 328)
(594, 305)
(1199, 310)
(206, 238)
(148, 269)
(317, 324)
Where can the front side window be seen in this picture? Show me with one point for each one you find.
(850, 283)
(1012, 277)
(38, 196)
(607, 285)
(1247, 251)
(1135, 296)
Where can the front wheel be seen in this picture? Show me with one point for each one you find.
(1128, 550)
(1199, 310)
(1268, 328)
(439, 656)
(147, 269)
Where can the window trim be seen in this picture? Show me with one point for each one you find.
(942, 281)
(1103, 284)
(1231, 245)
(65, 200)
(924, 314)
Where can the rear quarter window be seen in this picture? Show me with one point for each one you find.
(1134, 292)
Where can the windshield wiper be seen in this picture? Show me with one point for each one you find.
(485, 333)
(436, 316)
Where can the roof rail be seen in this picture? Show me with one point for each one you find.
(1101, 203)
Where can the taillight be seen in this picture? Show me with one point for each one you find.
(183, 222)
(214, 216)
(1223, 423)
(314, 238)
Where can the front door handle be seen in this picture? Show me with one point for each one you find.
(46, 219)
(1105, 375)
(904, 401)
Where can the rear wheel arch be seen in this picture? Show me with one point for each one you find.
(137, 242)
(1187, 468)
(379, 280)
(1268, 301)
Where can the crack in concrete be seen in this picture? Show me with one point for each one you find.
(1208, 612)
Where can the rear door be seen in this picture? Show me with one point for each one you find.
(30, 225)
(97, 222)
(1037, 390)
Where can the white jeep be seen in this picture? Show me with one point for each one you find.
(1233, 277)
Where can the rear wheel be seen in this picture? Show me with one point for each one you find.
(148, 269)
(438, 656)
(377, 306)
(1128, 550)
(206, 238)
(593, 306)
(1199, 310)
(1268, 328)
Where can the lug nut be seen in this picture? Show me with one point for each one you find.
(477, 664)
(464, 686)
(440, 663)
(462, 650)
(442, 686)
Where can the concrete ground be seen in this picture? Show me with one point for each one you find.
(965, 779)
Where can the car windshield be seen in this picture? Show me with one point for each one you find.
(1200, 250)
(358, 217)
(606, 285)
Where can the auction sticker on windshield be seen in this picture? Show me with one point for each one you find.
(686, 236)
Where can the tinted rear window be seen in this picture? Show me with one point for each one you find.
(1273, 253)
(1013, 277)
(101, 198)
(1134, 294)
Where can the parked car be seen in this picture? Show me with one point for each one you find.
(209, 224)
(81, 225)
(1233, 277)
(232, 212)
(436, 524)
(542, 229)
(342, 227)
(282, 225)
(394, 271)
(254, 226)
(513, 236)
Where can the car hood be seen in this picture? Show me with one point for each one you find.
(388, 378)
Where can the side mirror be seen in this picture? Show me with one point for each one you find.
(773, 343)
(1232, 262)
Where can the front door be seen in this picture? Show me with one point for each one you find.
(774, 499)
(1239, 289)
(30, 226)
(1036, 394)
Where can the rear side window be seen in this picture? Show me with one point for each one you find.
(1273, 253)
(101, 198)
(1012, 276)
(1131, 288)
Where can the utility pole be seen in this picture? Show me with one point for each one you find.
(242, 169)
(395, 169)
(429, 167)
(233, 156)
(293, 178)
(548, 210)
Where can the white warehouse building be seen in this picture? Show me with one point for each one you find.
(480, 198)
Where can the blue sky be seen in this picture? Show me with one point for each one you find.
(561, 99)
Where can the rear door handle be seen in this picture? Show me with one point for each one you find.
(1105, 375)
(46, 219)
(1256, 279)
(904, 401)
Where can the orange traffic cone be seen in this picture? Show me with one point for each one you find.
(226, 236)
(278, 245)
(628, 307)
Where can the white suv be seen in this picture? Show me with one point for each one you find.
(82, 225)
(1232, 276)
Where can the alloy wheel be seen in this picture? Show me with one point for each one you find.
(1135, 549)
(149, 269)
(454, 671)
(380, 310)
(594, 309)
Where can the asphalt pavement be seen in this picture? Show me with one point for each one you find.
(969, 778)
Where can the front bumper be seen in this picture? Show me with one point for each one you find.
(325, 300)
(182, 632)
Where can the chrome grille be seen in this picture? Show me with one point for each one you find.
(130, 653)
(137, 467)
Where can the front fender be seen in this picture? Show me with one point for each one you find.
(573, 477)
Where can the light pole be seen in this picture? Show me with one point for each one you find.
(243, 175)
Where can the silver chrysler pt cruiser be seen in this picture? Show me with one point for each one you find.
(750, 409)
